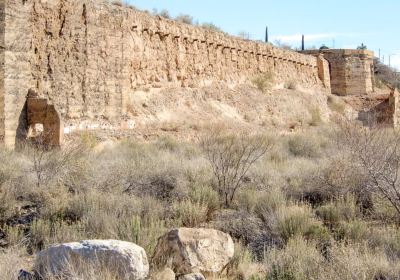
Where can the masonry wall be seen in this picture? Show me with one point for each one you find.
(2, 65)
(350, 70)
(88, 59)
(16, 76)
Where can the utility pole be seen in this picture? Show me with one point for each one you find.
(379, 54)
(266, 34)
(302, 43)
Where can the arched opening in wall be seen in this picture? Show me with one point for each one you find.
(44, 125)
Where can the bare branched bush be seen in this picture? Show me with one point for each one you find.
(230, 158)
(385, 75)
(283, 45)
(376, 151)
(47, 162)
(211, 26)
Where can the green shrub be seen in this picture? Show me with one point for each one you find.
(7, 204)
(304, 146)
(243, 265)
(185, 19)
(316, 119)
(291, 84)
(318, 234)
(294, 220)
(89, 139)
(387, 239)
(165, 14)
(264, 82)
(118, 3)
(142, 231)
(211, 26)
(336, 104)
(298, 260)
(358, 261)
(207, 196)
(355, 231)
(268, 203)
(190, 214)
(345, 209)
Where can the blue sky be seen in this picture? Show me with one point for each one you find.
(342, 23)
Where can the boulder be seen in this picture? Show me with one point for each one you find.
(192, 276)
(188, 250)
(123, 259)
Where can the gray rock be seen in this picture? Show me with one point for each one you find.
(123, 259)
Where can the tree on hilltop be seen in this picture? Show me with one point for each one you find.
(362, 47)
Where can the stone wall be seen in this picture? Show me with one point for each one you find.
(351, 71)
(88, 59)
(2, 65)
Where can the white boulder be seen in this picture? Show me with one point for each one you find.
(123, 259)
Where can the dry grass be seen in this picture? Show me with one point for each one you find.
(11, 261)
(300, 214)
(291, 84)
(316, 119)
(336, 104)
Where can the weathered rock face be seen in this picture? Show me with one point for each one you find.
(351, 71)
(125, 260)
(195, 250)
(89, 59)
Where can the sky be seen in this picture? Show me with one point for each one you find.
(335, 23)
